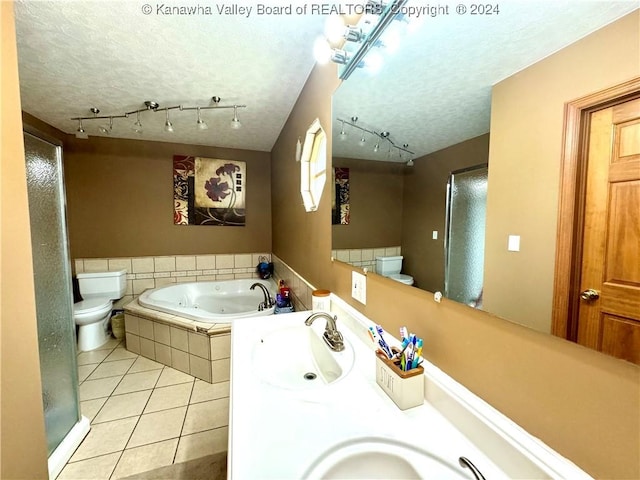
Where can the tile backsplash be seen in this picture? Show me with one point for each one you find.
(151, 272)
(364, 257)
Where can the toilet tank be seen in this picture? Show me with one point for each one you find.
(386, 266)
(110, 285)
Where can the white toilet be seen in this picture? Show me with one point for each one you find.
(390, 267)
(92, 314)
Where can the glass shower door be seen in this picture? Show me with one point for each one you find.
(52, 280)
(466, 218)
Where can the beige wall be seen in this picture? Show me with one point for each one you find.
(375, 203)
(23, 448)
(425, 205)
(581, 403)
(120, 200)
(524, 165)
(303, 239)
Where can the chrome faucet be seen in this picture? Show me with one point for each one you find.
(268, 300)
(332, 336)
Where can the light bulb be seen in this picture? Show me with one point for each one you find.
(107, 130)
(322, 51)
(168, 127)
(137, 127)
(334, 28)
(235, 123)
(202, 125)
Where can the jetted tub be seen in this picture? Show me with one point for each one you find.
(210, 302)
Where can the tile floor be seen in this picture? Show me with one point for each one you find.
(143, 415)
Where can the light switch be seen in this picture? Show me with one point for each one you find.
(434, 235)
(514, 243)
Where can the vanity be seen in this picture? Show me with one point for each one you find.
(300, 410)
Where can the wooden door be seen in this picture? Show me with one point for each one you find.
(609, 310)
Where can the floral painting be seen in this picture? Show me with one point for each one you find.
(340, 212)
(208, 191)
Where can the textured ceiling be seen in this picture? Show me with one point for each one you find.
(434, 92)
(74, 55)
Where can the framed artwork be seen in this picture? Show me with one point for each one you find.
(208, 191)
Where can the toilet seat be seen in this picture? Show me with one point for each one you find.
(92, 305)
(402, 278)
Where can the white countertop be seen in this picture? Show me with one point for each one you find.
(278, 433)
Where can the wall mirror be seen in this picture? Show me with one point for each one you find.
(313, 166)
(402, 131)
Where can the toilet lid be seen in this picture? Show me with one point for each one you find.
(401, 277)
(91, 305)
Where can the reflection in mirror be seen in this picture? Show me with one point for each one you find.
(434, 96)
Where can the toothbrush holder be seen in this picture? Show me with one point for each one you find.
(405, 388)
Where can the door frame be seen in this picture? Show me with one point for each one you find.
(573, 165)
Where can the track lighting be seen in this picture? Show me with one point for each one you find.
(107, 130)
(168, 126)
(202, 125)
(235, 123)
(80, 133)
(155, 107)
(380, 136)
(137, 127)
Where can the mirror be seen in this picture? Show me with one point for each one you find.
(429, 105)
(313, 167)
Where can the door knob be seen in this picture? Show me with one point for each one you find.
(590, 295)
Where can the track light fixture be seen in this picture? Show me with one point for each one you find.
(155, 107)
(380, 136)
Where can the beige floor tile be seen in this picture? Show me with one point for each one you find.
(110, 345)
(206, 415)
(92, 389)
(158, 426)
(202, 444)
(97, 468)
(133, 382)
(143, 364)
(85, 370)
(122, 406)
(90, 408)
(120, 354)
(173, 396)
(111, 369)
(94, 356)
(203, 391)
(147, 457)
(171, 376)
(105, 438)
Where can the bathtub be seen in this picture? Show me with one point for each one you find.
(210, 302)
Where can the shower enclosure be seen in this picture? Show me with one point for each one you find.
(464, 241)
(54, 298)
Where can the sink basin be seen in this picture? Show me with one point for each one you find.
(297, 358)
(381, 458)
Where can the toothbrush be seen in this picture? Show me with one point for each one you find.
(412, 351)
(403, 333)
(418, 354)
(382, 343)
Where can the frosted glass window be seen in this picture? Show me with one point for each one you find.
(466, 218)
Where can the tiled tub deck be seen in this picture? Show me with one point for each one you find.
(199, 349)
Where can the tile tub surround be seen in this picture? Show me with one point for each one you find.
(174, 341)
(152, 272)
